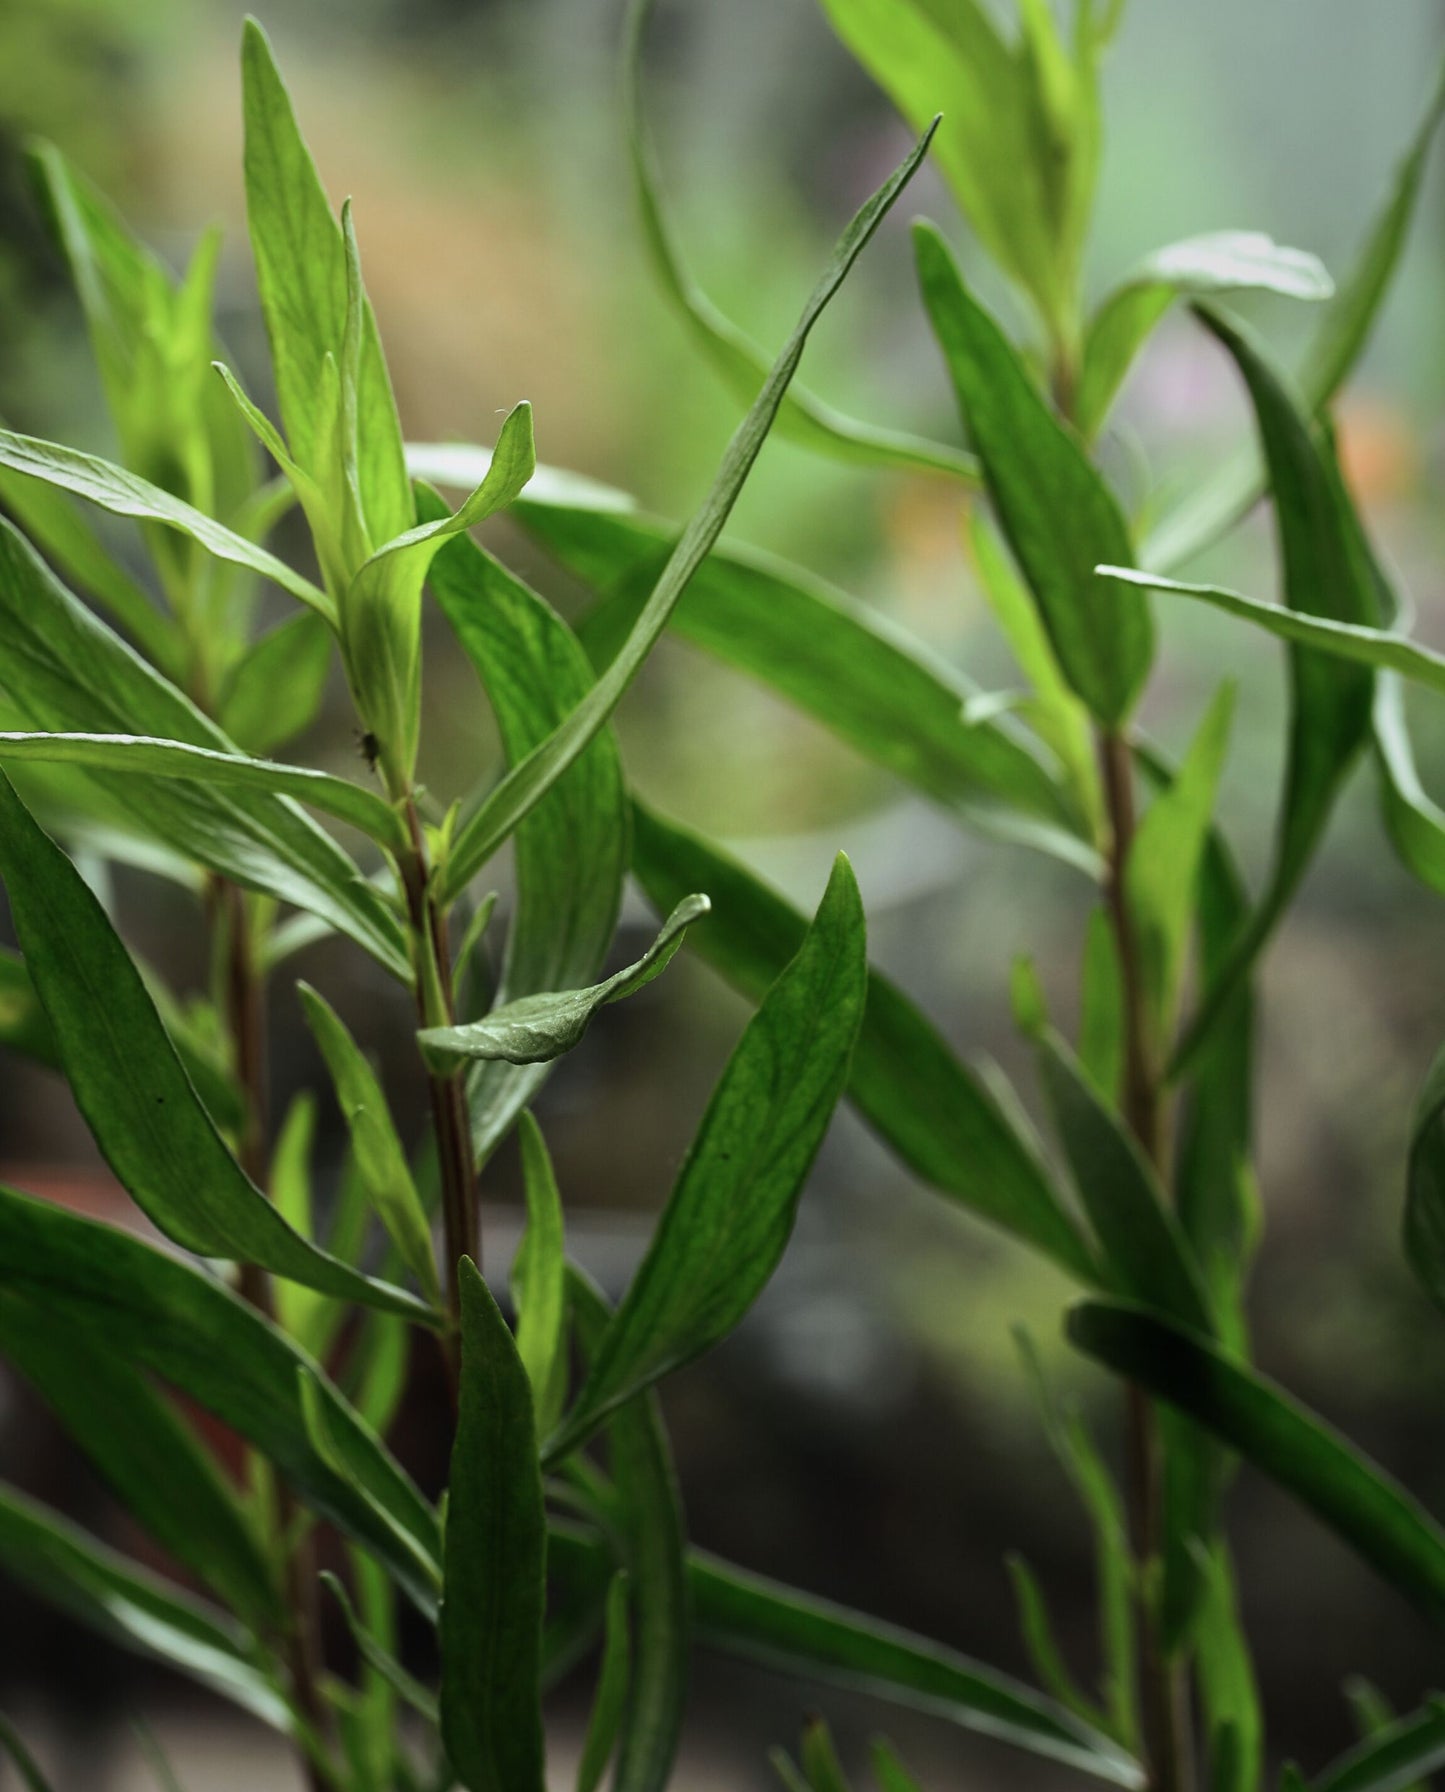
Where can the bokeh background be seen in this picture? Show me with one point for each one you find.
(867, 1433)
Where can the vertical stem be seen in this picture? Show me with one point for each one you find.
(1163, 1686)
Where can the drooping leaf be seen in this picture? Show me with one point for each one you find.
(536, 1028)
(570, 854)
(612, 1683)
(1356, 1499)
(927, 1106)
(379, 1155)
(274, 691)
(495, 1563)
(532, 777)
(131, 1087)
(1057, 514)
(180, 1323)
(834, 658)
(1223, 261)
(731, 1211)
(1392, 1760)
(539, 1281)
(803, 417)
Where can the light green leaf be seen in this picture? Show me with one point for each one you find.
(1057, 514)
(803, 417)
(928, 1107)
(889, 1771)
(1227, 1688)
(1038, 1635)
(529, 780)
(495, 1565)
(275, 689)
(1101, 1008)
(1356, 1499)
(539, 1281)
(731, 1211)
(380, 1159)
(612, 1688)
(1223, 261)
(536, 1028)
(820, 1759)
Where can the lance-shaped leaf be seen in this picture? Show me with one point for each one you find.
(65, 671)
(275, 689)
(1338, 341)
(1358, 1500)
(652, 1535)
(301, 272)
(611, 1694)
(804, 418)
(1228, 1692)
(731, 1211)
(182, 1324)
(132, 754)
(1399, 1755)
(539, 1281)
(153, 1461)
(376, 1150)
(1053, 506)
(1223, 261)
(495, 1563)
(123, 493)
(529, 780)
(928, 1107)
(132, 1088)
(835, 658)
(21, 1758)
(129, 1605)
(533, 1029)
(570, 854)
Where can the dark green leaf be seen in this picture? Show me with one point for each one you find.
(1358, 1500)
(380, 1659)
(24, 1762)
(1425, 1185)
(1038, 1635)
(532, 777)
(536, 1028)
(495, 1563)
(1058, 516)
(939, 1118)
(1392, 1760)
(611, 1693)
(132, 1088)
(731, 1211)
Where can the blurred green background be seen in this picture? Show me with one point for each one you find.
(866, 1434)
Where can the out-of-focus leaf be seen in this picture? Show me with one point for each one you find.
(1101, 1010)
(1223, 261)
(495, 1563)
(1425, 1185)
(139, 755)
(380, 1158)
(539, 1281)
(401, 1681)
(1393, 1759)
(275, 689)
(1359, 1501)
(1413, 820)
(833, 657)
(65, 670)
(611, 1693)
(24, 1762)
(927, 1106)
(129, 1605)
(131, 1087)
(533, 1029)
(166, 1318)
(1339, 340)
(1057, 514)
(820, 1759)
(533, 776)
(652, 1533)
(889, 1771)
(1038, 1635)
(731, 1211)
(803, 418)
(1227, 1689)
(570, 854)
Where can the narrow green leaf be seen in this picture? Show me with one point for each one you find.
(836, 659)
(275, 690)
(131, 1087)
(533, 1029)
(1227, 1687)
(731, 1211)
(164, 1317)
(803, 417)
(495, 1564)
(928, 1107)
(1359, 1501)
(1223, 261)
(539, 1281)
(889, 1771)
(1413, 820)
(1057, 514)
(129, 1605)
(570, 854)
(1043, 1651)
(611, 1693)
(1101, 1008)
(820, 1759)
(1394, 1759)
(132, 754)
(380, 1158)
(530, 778)
(24, 1762)
(380, 1659)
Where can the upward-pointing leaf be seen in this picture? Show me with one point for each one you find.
(732, 1208)
(132, 1088)
(529, 780)
(1055, 510)
(539, 1281)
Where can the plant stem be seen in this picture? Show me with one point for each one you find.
(1163, 1685)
